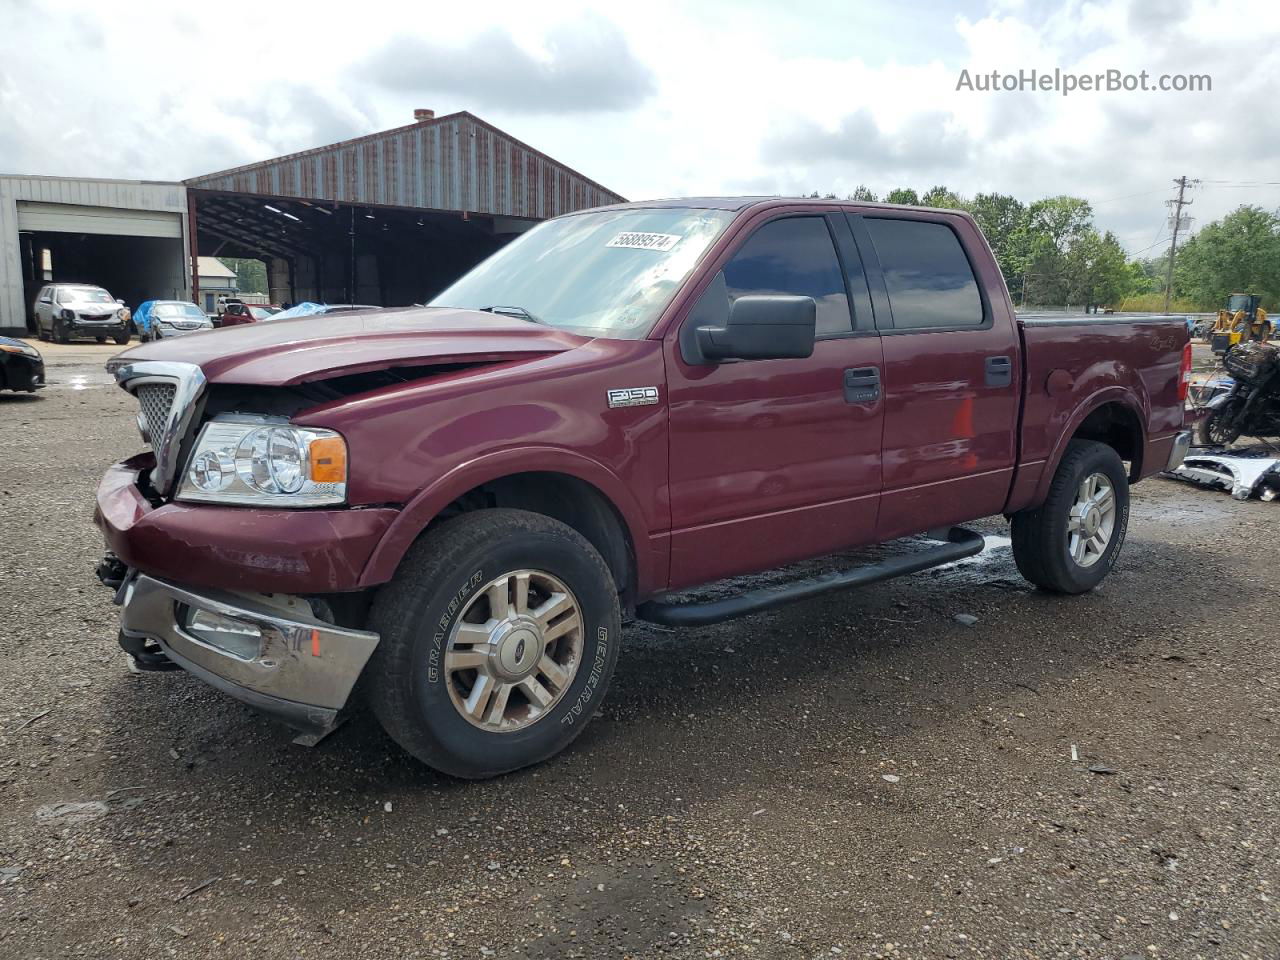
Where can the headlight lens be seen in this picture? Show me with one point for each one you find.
(253, 461)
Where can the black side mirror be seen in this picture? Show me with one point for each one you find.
(762, 328)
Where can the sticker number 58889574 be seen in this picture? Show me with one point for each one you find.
(644, 241)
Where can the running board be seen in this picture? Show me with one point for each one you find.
(960, 543)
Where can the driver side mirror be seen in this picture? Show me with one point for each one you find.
(762, 328)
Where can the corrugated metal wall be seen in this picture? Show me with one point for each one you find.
(120, 194)
(456, 162)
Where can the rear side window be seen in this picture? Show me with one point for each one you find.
(794, 257)
(928, 275)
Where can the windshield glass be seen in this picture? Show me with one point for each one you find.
(84, 295)
(261, 313)
(188, 311)
(606, 274)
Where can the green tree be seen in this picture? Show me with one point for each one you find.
(943, 198)
(1238, 254)
(863, 193)
(903, 195)
(1096, 271)
(1003, 220)
(251, 275)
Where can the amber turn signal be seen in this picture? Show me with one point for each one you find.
(328, 460)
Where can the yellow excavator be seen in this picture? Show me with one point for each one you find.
(1242, 319)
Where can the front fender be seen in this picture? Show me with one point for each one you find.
(427, 504)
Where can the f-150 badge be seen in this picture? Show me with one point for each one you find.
(633, 396)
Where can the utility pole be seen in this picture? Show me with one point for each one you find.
(1176, 223)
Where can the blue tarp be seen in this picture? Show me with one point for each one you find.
(304, 309)
(142, 317)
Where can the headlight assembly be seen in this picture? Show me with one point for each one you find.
(259, 462)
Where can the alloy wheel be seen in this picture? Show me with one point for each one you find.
(1091, 520)
(514, 651)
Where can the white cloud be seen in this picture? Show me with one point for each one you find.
(665, 99)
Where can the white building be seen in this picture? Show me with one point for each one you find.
(129, 236)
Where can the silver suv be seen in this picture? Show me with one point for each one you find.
(66, 310)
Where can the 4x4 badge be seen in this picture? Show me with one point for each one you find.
(633, 396)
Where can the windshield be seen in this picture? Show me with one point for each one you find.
(188, 310)
(261, 313)
(606, 274)
(84, 295)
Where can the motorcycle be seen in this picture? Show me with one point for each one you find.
(1251, 407)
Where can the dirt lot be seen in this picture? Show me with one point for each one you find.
(857, 776)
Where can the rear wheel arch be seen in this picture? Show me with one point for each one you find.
(1119, 426)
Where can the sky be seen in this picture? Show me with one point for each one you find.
(671, 99)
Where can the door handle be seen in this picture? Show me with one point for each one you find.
(862, 385)
(999, 371)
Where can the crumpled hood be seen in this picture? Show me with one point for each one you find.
(286, 352)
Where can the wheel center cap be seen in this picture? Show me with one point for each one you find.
(1092, 521)
(517, 650)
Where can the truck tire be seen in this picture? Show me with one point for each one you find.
(1070, 542)
(499, 634)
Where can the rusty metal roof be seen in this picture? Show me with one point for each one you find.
(456, 162)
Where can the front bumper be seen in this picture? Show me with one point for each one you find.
(1181, 444)
(302, 673)
(236, 548)
(21, 372)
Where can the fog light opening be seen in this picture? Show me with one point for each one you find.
(240, 638)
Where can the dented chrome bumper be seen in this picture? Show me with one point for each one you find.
(267, 650)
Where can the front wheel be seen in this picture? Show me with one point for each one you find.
(1070, 542)
(121, 338)
(1219, 428)
(499, 635)
(60, 333)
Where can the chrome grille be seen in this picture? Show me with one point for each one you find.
(156, 400)
(167, 393)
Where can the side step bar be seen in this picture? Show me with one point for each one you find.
(960, 543)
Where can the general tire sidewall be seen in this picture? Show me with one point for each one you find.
(1098, 461)
(498, 752)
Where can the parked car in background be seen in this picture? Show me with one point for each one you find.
(172, 318)
(21, 366)
(238, 313)
(66, 310)
(456, 504)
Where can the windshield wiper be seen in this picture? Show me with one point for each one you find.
(520, 312)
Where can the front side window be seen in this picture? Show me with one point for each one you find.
(929, 279)
(604, 274)
(793, 257)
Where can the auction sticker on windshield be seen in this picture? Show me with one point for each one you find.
(644, 241)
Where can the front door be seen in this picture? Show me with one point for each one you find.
(777, 460)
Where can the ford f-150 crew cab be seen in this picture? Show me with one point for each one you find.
(444, 512)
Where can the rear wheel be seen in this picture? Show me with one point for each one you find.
(499, 635)
(1219, 428)
(1070, 542)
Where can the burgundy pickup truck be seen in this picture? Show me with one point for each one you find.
(445, 512)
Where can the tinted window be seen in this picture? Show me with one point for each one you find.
(793, 257)
(929, 278)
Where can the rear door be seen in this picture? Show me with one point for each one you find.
(951, 370)
(777, 460)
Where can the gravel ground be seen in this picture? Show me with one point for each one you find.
(856, 776)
